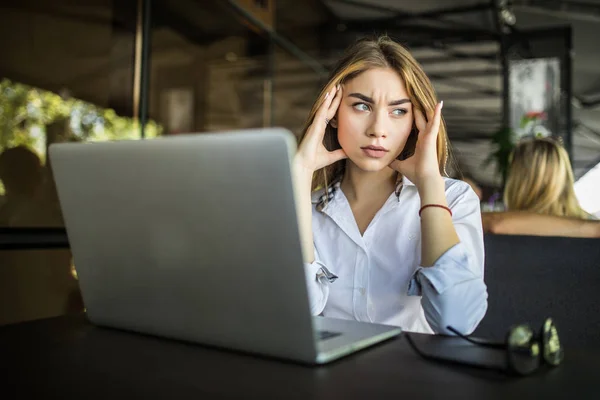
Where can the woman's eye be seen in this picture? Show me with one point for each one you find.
(399, 111)
(361, 107)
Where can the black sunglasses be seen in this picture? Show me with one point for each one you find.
(525, 351)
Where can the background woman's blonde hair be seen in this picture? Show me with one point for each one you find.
(364, 55)
(540, 179)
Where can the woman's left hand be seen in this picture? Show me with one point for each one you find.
(423, 165)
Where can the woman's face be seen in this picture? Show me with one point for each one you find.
(374, 119)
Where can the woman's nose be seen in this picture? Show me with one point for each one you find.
(377, 128)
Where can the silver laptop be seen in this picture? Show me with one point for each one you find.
(195, 238)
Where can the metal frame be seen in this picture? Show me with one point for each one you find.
(33, 238)
(568, 79)
(572, 9)
(280, 40)
(143, 60)
(400, 16)
(504, 61)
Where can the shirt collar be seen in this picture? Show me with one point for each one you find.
(325, 197)
(407, 182)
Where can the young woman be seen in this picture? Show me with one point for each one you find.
(387, 237)
(539, 195)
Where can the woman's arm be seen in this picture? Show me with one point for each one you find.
(302, 182)
(452, 288)
(528, 223)
(312, 156)
(437, 230)
(451, 284)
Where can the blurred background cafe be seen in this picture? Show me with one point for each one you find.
(512, 74)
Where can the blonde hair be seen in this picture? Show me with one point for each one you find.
(364, 55)
(540, 180)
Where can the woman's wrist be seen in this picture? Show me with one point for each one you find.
(300, 168)
(432, 191)
(302, 175)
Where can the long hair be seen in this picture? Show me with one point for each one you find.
(364, 55)
(540, 180)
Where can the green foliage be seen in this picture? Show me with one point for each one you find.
(504, 143)
(27, 114)
(26, 111)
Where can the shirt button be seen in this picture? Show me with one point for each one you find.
(363, 291)
(411, 236)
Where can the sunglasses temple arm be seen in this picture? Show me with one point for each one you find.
(477, 342)
(449, 360)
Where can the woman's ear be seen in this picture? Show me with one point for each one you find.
(333, 122)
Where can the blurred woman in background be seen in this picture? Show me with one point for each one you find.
(539, 195)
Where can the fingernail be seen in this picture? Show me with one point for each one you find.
(339, 86)
(441, 104)
(326, 95)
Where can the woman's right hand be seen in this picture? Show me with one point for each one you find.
(312, 154)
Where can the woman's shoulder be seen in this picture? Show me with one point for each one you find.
(457, 189)
(451, 185)
(456, 185)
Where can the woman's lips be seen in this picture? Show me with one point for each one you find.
(374, 151)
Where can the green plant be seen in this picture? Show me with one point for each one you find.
(504, 143)
(505, 140)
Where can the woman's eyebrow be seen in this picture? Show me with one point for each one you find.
(369, 100)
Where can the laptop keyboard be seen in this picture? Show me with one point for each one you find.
(324, 335)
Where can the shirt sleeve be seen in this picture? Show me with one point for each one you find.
(318, 279)
(453, 290)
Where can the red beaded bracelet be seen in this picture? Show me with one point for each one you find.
(435, 205)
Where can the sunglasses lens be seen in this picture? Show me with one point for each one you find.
(523, 350)
(553, 352)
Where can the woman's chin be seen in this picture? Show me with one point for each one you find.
(371, 164)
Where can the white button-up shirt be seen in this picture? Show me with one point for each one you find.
(379, 278)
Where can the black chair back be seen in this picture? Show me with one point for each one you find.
(530, 278)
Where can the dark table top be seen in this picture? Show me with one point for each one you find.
(67, 357)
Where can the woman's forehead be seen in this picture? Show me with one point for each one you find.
(383, 82)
